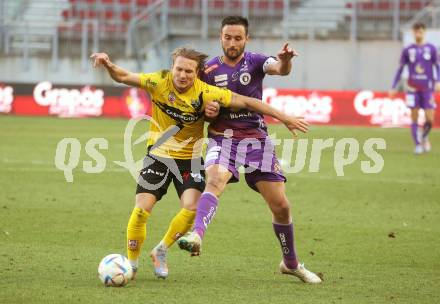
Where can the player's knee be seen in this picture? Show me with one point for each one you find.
(281, 208)
(145, 201)
(215, 184)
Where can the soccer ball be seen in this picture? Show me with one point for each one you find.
(115, 270)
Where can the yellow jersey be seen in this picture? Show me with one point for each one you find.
(176, 127)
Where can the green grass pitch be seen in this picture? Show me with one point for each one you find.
(53, 233)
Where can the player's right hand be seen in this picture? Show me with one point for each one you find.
(212, 109)
(100, 59)
(392, 93)
(296, 123)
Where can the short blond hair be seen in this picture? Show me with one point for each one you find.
(191, 54)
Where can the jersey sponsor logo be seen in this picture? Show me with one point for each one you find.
(219, 78)
(222, 84)
(211, 68)
(240, 115)
(151, 171)
(245, 78)
(419, 69)
(178, 115)
(244, 67)
(235, 76)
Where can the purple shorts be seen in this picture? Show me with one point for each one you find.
(420, 99)
(257, 156)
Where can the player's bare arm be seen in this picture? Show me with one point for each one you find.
(283, 65)
(117, 73)
(253, 104)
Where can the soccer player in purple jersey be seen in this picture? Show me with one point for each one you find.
(422, 62)
(239, 138)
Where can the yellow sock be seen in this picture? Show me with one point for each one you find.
(180, 225)
(136, 233)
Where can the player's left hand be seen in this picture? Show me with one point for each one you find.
(286, 53)
(296, 123)
(212, 109)
(437, 87)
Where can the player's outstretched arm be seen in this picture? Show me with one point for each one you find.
(283, 65)
(256, 105)
(117, 73)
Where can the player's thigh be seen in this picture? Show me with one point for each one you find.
(274, 193)
(429, 114)
(415, 114)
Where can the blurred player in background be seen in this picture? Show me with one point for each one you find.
(422, 62)
(243, 72)
(180, 101)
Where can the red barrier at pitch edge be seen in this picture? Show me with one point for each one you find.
(357, 108)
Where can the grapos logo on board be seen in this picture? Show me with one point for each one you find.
(6, 99)
(314, 107)
(69, 102)
(383, 110)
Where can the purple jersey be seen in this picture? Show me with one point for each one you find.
(245, 78)
(421, 61)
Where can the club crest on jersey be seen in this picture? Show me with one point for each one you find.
(245, 78)
(195, 103)
(172, 97)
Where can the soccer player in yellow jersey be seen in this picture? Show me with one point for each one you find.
(180, 103)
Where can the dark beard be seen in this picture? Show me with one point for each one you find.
(232, 58)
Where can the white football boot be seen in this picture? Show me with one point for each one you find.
(301, 272)
(426, 144)
(418, 149)
(159, 257)
(191, 242)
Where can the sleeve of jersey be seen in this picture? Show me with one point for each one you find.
(403, 62)
(436, 64)
(220, 95)
(150, 81)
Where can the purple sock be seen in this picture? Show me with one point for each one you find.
(414, 131)
(205, 212)
(284, 234)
